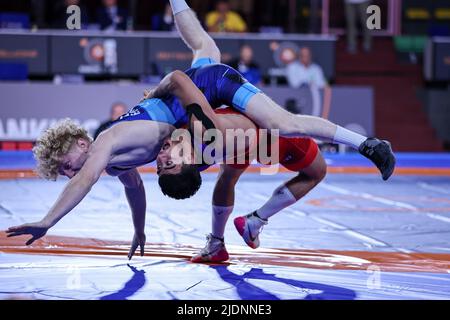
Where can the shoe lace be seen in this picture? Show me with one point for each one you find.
(261, 228)
(210, 245)
(263, 222)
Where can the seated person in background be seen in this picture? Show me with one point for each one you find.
(117, 109)
(245, 65)
(164, 21)
(59, 14)
(111, 17)
(224, 20)
(305, 72)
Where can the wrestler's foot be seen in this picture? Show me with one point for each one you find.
(380, 153)
(214, 251)
(249, 227)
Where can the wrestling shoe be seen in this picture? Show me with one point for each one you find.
(249, 227)
(380, 153)
(214, 251)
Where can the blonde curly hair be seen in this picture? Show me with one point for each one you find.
(54, 143)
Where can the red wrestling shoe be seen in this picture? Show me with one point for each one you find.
(249, 227)
(214, 251)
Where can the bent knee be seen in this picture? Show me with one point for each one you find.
(320, 174)
(317, 174)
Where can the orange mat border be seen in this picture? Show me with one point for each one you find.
(28, 173)
(304, 258)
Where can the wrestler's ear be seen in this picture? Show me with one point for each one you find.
(83, 143)
(180, 138)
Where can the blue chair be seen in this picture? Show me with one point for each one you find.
(439, 30)
(12, 20)
(13, 71)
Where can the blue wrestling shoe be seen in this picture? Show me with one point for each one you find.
(380, 153)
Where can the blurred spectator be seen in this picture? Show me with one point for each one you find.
(111, 17)
(117, 109)
(224, 20)
(164, 21)
(356, 9)
(305, 72)
(59, 16)
(246, 66)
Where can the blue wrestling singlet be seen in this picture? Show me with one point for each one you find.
(221, 85)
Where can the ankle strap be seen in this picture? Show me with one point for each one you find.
(217, 238)
(257, 216)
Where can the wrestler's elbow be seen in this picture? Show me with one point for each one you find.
(90, 173)
(131, 179)
(177, 78)
(179, 82)
(89, 178)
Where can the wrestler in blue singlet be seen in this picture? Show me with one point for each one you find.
(221, 85)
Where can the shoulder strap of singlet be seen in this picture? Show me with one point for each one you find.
(195, 110)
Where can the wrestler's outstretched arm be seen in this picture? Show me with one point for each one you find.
(192, 32)
(135, 193)
(77, 188)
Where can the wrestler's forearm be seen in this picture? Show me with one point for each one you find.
(137, 202)
(73, 193)
(176, 83)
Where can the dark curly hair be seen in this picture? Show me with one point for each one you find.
(182, 185)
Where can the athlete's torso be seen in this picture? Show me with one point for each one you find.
(136, 144)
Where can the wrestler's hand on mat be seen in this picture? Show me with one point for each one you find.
(36, 229)
(138, 241)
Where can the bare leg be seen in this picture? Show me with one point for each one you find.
(223, 198)
(250, 226)
(223, 202)
(192, 32)
(308, 178)
(267, 114)
(294, 189)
